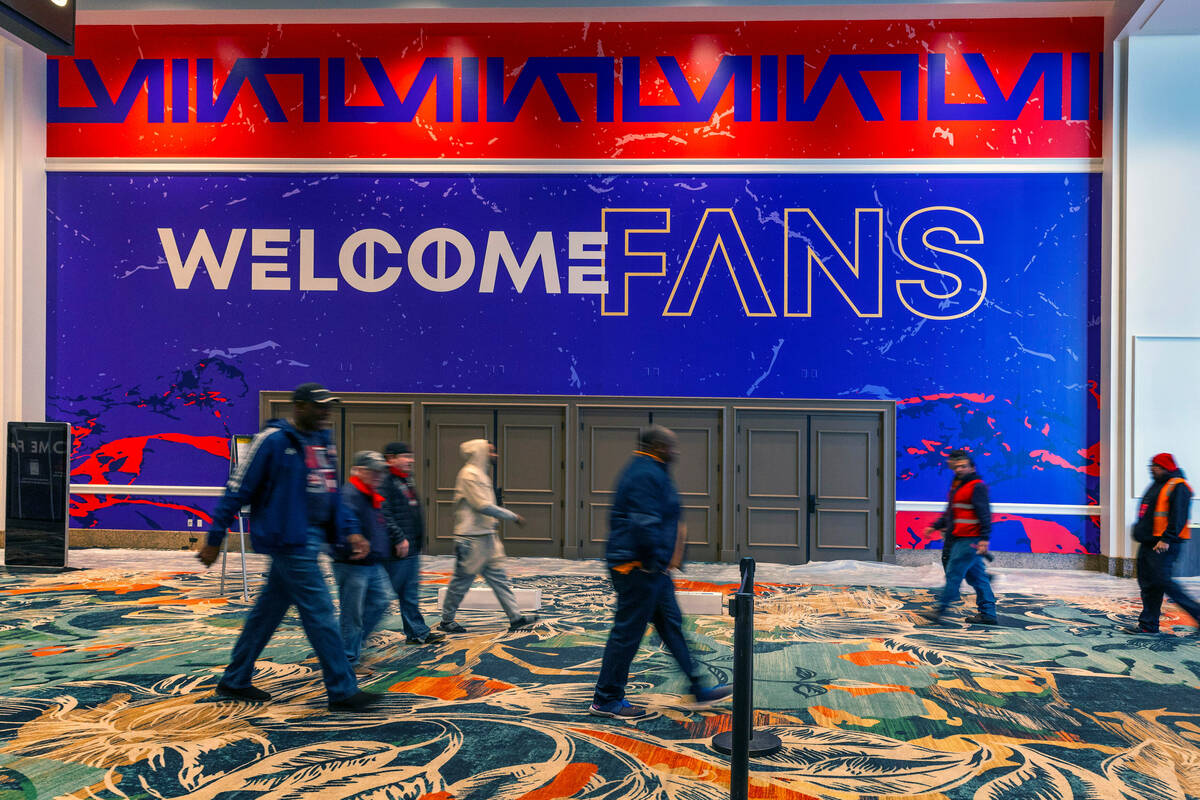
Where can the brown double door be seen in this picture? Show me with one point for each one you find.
(528, 475)
(608, 438)
(809, 486)
(357, 428)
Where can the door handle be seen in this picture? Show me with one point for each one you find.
(813, 504)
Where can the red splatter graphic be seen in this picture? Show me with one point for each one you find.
(1044, 536)
(126, 456)
(1092, 454)
(974, 397)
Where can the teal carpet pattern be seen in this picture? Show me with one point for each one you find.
(107, 678)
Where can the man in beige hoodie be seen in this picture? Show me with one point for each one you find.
(478, 550)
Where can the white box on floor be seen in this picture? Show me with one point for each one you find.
(701, 602)
(482, 598)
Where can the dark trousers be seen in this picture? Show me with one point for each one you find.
(642, 598)
(1155, 578)
(405, 575)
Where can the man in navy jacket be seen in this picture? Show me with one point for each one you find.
(645, 540)
(289, 480)
(406, 534)
(363, 596)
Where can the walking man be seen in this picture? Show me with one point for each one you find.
(289, 480)
(478, 550)
(1160, 531)
(363, 595)
(406, 539)
(645, 541)
(966, 525)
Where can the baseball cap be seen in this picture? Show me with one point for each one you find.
(313, 393)
(396, 449)
(369, 459)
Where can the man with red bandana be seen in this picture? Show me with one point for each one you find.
(406, 535)
(362, 585)
(1160, 531)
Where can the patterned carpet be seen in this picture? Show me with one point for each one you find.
(107, 677)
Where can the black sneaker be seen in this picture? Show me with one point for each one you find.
(247, 693)
(428, 638)
(1137, 630)
(981, 619)
(522, 622)
(355, 702)
(451, 627)
(707, 696)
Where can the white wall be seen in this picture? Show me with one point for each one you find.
(22, 237)
(1160, 276)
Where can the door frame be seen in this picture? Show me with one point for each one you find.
(727, 407)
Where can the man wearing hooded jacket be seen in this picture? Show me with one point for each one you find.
(478, 550)
(1160, 531)
(289, 480)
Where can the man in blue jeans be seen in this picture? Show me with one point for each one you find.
(363, 596)
(289, 480)
(406, 535)
(645, 540)
(966, 526)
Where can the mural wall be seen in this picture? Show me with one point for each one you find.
(969, 297)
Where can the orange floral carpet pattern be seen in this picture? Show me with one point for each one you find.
(107, 684)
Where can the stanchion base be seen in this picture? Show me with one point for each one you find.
(761, 743)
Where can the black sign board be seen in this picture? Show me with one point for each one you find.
(38, 478)
(48, 25)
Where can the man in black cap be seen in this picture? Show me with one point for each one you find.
(406, 532)
(289, 480)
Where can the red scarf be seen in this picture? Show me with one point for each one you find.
(399, 473)
(376, 498)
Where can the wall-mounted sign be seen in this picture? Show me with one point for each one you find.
(805, 89)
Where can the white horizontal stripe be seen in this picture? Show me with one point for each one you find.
(571, 166)
(1006, 508)
(163, 491)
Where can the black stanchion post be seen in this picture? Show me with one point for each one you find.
(743, 741)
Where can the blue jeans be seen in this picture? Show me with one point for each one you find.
(965, 562)
(1155, 576)
(294, 579)
(364, 599)
(642, 598)
(405, 575)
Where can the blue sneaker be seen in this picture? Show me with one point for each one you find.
(707, 696)
(617, 709)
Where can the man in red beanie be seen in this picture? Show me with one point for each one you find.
(1161, 529)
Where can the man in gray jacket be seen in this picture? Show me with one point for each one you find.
(478, 550)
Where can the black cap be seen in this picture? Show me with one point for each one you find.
(396, 449)
(313, 393)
